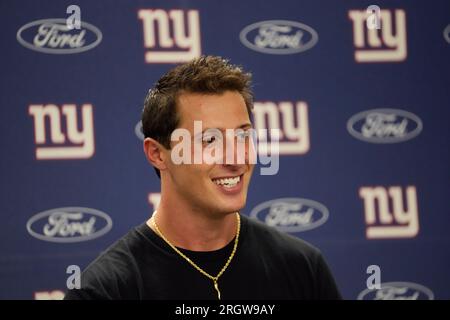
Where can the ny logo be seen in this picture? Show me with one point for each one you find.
(49, 295)
(159, 37)
(386, 215)
(379, 45)
(70, 143)
(291, 122)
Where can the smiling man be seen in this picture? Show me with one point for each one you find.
(197, 244)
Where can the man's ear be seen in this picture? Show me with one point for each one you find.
(155, 153)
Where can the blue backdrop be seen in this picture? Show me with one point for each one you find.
(364, 165)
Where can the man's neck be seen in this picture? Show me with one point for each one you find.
(193, 230)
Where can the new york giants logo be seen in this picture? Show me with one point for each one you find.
(385, 212)
(168, 44)
(290, 119)
(49, 295)
(379, 45)
(62, 140)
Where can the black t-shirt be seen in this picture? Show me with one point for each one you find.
(268, 264)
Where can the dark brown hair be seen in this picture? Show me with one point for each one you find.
(207, 74)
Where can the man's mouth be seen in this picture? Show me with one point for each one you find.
(228, 182)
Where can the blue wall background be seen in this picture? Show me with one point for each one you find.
(114, 77)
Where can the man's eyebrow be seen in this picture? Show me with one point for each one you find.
(242, 126)
(245, 126)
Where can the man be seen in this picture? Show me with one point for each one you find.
(197, 245)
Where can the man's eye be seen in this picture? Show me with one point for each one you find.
(209, 139)
(242, 135)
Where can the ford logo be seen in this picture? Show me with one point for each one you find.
(397, 291)
(69, 224)
(384, 125)
(53, 36)
(279, 37)
(291, 214)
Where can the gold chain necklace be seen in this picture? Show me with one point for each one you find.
(216, 278)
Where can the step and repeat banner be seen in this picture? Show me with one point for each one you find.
(359, 90)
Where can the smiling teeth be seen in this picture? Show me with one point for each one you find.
(228, 182)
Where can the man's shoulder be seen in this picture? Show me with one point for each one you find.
(113, 274)
(280, 241)
(120, 261)
(123, 251)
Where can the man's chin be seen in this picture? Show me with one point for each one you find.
(232, 208)
(223, 204)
